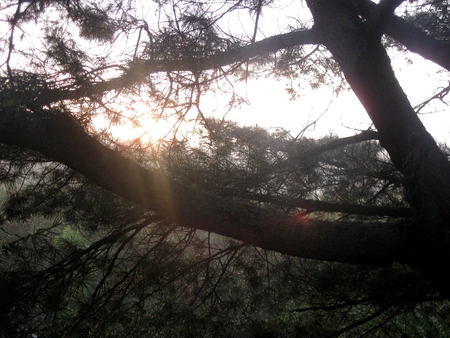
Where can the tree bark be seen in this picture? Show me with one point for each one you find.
(413, 151)
(413, 38)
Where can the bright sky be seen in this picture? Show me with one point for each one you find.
(270, 106)
(344, 115)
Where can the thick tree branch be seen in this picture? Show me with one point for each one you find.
(410, 36)
(61, 139)
(381, 15)
(413, 38)
(365, 135)
(141, 68)
(412, 149)
(368, 70)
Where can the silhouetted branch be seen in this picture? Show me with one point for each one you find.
(347, 208)
(413, 38)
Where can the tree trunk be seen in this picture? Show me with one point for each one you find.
(366, 66)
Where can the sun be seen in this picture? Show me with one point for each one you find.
(146, 129)
(136, 122)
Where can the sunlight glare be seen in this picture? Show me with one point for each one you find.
(148, 129)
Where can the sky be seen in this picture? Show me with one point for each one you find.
(269, 104)
(344, 115)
